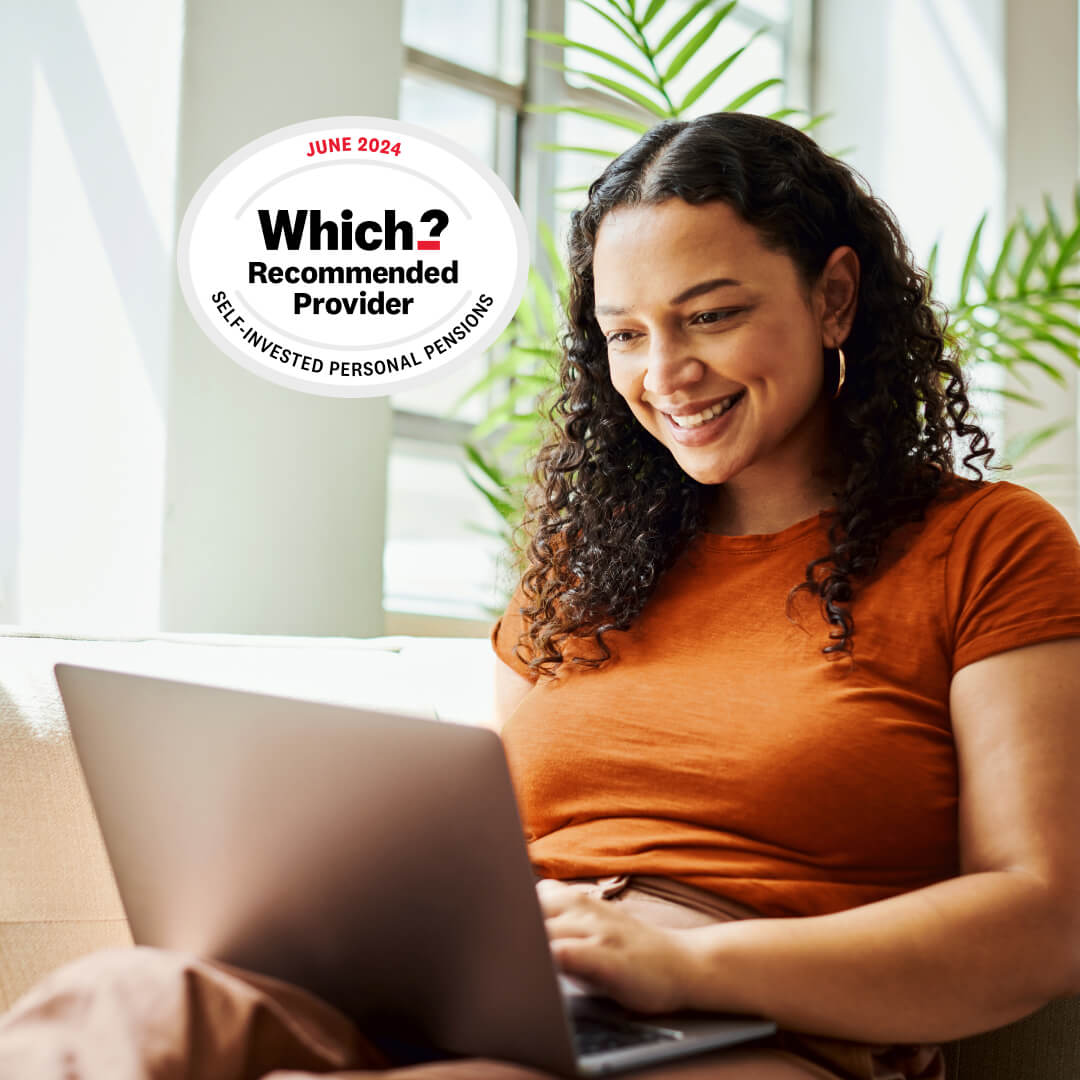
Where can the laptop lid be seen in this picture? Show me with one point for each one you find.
(376, 859)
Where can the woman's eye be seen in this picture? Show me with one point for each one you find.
(727, 313)
(707, 318)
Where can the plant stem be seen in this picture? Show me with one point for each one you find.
(647, 50)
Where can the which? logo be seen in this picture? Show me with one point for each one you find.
(285, 248)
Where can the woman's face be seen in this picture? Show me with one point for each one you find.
(695, 309)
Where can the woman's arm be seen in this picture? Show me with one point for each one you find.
(953, 959)
(965, 955)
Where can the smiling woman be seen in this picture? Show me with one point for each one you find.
(729, 255)
(671, 360)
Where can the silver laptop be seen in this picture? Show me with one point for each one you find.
(376, 859)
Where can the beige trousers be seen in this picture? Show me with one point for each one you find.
(150, 1014)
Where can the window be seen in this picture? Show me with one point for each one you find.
(472, 88)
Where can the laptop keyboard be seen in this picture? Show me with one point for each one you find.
(595, 1036)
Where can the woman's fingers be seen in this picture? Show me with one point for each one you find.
(576, 956)
(556, 898)
(570, 925)
(640, 965)
(572, 914)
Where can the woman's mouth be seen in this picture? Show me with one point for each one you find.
(699, 432)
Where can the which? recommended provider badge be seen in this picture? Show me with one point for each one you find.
(352, 256)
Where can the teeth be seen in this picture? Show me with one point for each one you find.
(700, 418)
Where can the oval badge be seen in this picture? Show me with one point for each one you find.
(352, 256)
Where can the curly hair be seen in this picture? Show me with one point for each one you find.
(608, 509)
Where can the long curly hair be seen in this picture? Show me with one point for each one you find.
(608, 509)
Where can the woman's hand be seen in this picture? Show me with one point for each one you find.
(644, 968)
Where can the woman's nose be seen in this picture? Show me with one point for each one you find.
(670, 365)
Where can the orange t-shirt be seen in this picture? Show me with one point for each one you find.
(719, 747)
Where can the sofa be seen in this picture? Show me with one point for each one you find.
(58, 899)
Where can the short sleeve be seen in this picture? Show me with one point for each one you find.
(1012, 575)
(504, 635)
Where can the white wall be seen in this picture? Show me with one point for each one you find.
(945, 102)
(86, 183)
(275, 500)
(146, 480)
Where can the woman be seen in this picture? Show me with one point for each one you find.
(866, 836)
(755, 396)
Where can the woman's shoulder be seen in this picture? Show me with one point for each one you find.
(972, 523)
(969, 504)
(1011, 572)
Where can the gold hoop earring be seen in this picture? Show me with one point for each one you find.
(843, 373)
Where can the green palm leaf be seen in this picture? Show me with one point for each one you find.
(1069, 247)
(1019, 446)
(626, 12)
(503, 507)
(546, 306)
(512, 365)
(620, 88)
(489, 471)
(680, 24)
(614, 22)
(1038, 332)
(931, 262)
(524, 434)
(593, 114)
(970, 261)
(1001, 264)
(1049, 316)
(562, 277)
(1024, 353)
(1052, 219)
(689, 50)
(611, 58)
(526, 312)
(557, 147)
(1038, 242)
(1011, 395)
(742, 99)
(702, 85)
(503, 413)
(650, 12)
(820, 119)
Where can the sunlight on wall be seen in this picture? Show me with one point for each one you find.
(98, 277)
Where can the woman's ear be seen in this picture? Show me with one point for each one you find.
(839, 284)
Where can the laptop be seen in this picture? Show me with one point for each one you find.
(376, 859)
